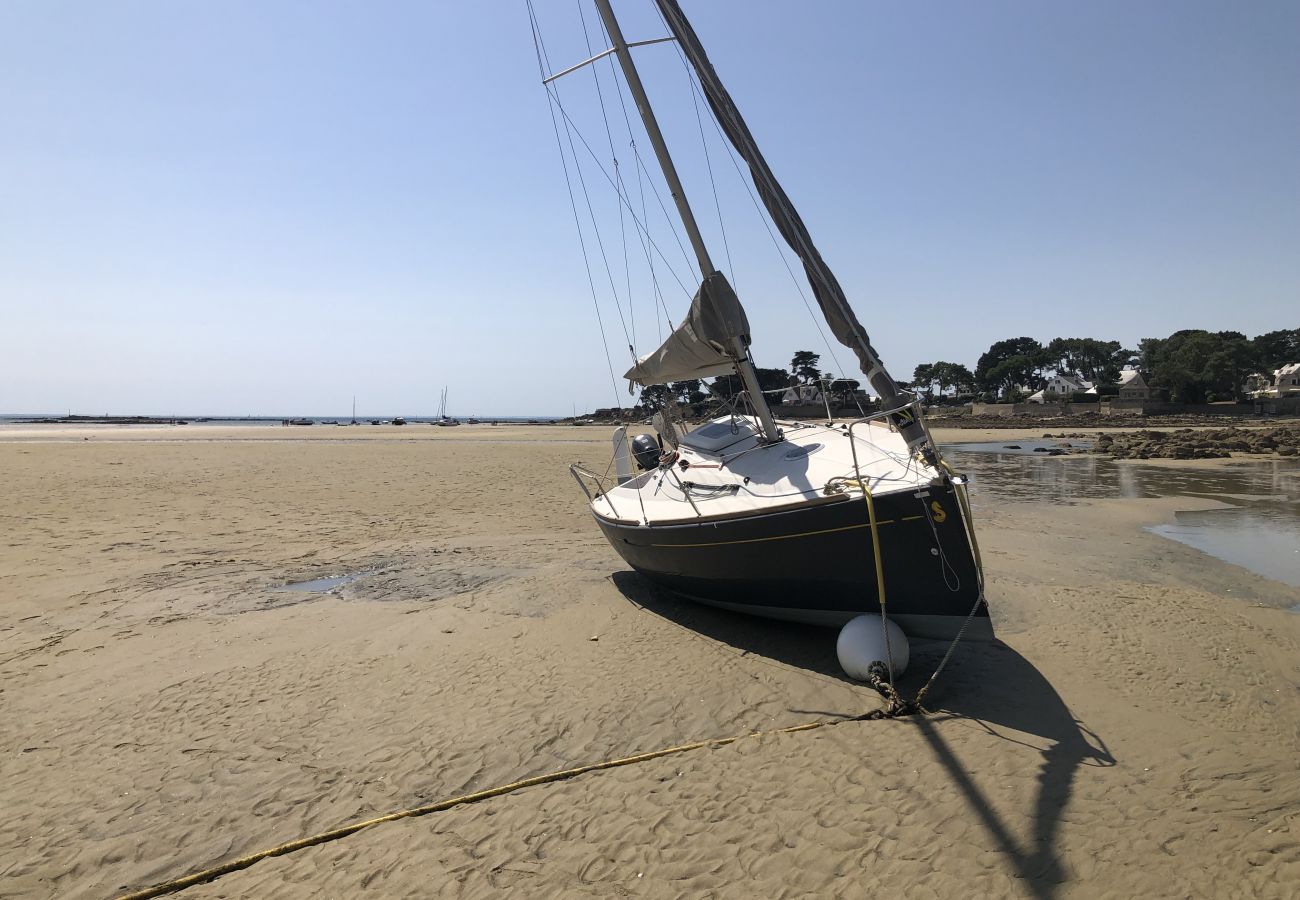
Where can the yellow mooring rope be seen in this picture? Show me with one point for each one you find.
(243, 862)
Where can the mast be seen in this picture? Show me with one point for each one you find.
(826, 288)
(738, 351)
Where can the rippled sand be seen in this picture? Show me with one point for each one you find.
(163, 709)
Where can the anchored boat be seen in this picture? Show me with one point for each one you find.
(812, 522)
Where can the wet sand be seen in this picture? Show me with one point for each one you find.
(163, 709)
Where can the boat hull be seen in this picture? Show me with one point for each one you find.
(815, 563)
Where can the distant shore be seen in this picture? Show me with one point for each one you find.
(267, 420)
(959, 420)
(104, 420)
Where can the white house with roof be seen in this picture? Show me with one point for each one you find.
(1286, 382)
(1059, 387)
(1132, 386)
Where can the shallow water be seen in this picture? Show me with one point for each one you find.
(320, 585)
(1255, 539)
(1259, 531)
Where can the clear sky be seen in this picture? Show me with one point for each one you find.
(268, 207)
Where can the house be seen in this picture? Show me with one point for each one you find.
(1059, 387)
(1132, 386)
(1285, 383)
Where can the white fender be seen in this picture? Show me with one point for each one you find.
(862, 642)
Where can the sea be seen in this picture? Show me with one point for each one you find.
(59, 418)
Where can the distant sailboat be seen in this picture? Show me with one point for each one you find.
(443, 418)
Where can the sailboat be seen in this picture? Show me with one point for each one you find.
(443, 418)
(802, 521)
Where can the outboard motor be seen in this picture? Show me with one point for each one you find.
(646, 451)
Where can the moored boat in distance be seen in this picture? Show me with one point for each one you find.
(443, 419)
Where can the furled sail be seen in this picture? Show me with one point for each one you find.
(830, 296)
(698, 347)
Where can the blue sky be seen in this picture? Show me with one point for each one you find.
(270, 207)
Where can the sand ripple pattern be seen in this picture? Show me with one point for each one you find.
(163, 710)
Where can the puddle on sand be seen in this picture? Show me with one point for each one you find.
(319, 585)
(1259, 531)
(1251, 538)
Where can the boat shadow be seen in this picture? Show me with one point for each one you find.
(986, 684)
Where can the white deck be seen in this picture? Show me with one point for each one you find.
(739, 477)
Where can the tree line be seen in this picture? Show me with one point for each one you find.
(1189, 366)
(804, 370)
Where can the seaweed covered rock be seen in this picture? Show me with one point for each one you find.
(1213, 443)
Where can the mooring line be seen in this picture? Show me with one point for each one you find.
(243, 862)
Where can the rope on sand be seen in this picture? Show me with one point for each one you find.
(243, 862)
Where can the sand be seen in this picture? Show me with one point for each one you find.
(163, 709)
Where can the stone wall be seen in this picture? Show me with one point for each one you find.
(1156, 408)
(1113, 406)
(1043, 410)
(1278, 406)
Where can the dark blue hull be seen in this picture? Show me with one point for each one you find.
(816, 564)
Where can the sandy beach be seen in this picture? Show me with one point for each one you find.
(165, 707)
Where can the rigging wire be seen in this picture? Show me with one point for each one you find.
(708, 163)
(731, 152)
(782, 251)
(640, 183)
(595, 227)
(542, 65)
(654, 279)
(672, 225)
(643, 226)
(644, 230)
(648, 243)
(618, 187)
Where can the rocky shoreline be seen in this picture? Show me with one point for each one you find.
(1189, 443)
(1095, 420)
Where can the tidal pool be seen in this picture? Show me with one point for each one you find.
(1259, 530)
(320, 585)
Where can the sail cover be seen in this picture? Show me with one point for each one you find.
(700, 346)
(830, 296)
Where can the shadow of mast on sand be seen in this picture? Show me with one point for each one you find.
(986, 684)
